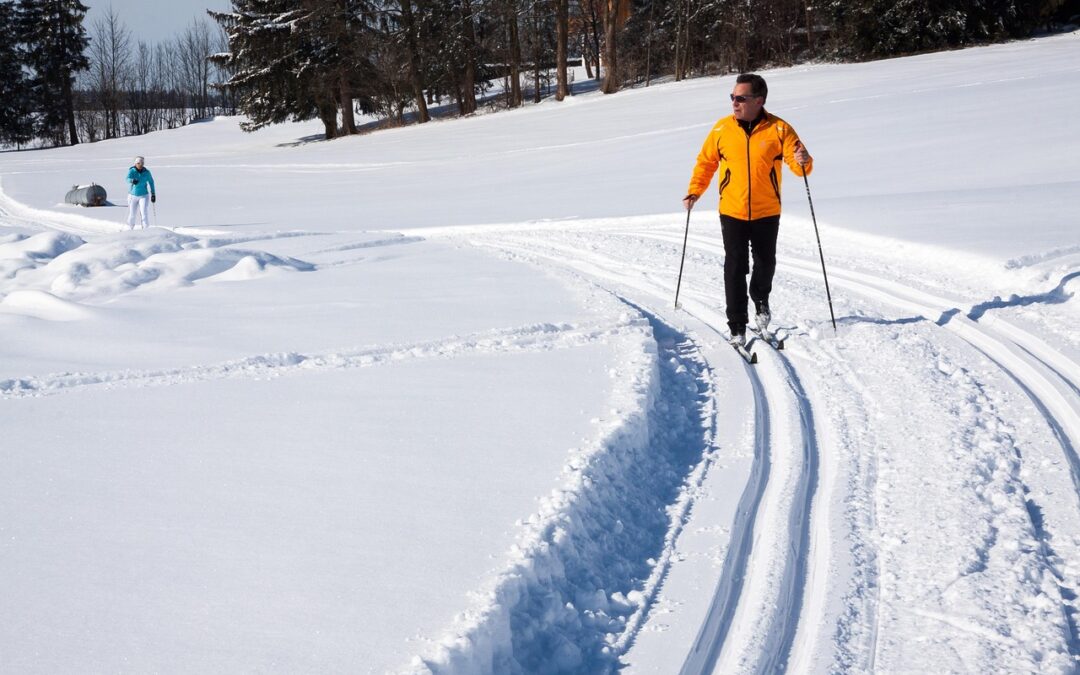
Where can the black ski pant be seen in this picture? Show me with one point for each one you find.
(741, 237)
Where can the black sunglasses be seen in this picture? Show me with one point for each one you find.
(741, 98)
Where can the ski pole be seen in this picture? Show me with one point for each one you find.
(813, 217)
(682, 262)
(154, 206)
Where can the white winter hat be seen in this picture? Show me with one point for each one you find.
(139, 159)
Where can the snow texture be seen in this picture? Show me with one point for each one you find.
(419, 401)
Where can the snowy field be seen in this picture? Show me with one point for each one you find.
(419, 402)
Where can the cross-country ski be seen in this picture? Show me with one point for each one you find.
(769, 338)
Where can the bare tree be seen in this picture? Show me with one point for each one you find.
(592, 26)
(193, 48)
(144, 94)
(562, 32)
(167, 76)
(89, 116)
(467, 83)
(221, 73)
(611, 65)
(110, 47)
(514, 46)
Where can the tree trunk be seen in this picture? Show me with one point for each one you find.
(69, 111)
(562, 34)
(328, 115)
(678, 42)
(536, 51)
(685, 68)
(65, 74)
(348, 118)
(648, 46)
(586, 56)
(414, 59)
(515, 56)
(611, 65)
(594, 27)
(468, 76)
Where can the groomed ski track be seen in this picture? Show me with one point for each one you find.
(765, 567)
(805, 581)
(775, 606)
(1048, 377)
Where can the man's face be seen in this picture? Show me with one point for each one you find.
(751, 105)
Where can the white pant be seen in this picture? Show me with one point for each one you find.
(139, 205)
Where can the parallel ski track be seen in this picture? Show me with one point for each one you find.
(1050, 379)
(714, 630)
(780, 385)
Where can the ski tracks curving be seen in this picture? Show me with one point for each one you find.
(753, 623)
(538, 337)
(1050, 479)
(808, 581)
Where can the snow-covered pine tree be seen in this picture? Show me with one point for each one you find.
(878, 28)
(451, 49)
(294, 60)
(54, 39)
(261, 59)
(15, 121)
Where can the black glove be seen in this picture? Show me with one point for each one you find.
(134, 181)
(153, 198)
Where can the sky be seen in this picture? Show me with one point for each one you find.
(153, 21)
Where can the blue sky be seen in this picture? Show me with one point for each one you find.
(153, 21)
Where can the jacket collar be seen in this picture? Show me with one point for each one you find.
(749, 127)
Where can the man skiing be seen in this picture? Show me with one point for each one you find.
(748, 147)
(141, 183)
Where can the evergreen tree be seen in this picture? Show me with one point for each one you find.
(411, 36)
(457, 29)
(15, 119)
(436, 50)
(262, 57)
(55, 42)
(878, 28)
(295, 60)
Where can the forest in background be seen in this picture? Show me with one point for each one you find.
(405, 61)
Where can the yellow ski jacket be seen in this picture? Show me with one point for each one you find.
(749, 165)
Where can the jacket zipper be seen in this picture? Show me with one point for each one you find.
(749, 180)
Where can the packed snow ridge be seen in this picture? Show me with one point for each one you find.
(587, 565)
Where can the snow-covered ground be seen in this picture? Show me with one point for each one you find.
(418, 401)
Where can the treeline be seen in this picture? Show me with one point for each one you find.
(279, 60)
(63, 83)
(131, 87)
(323, 58)
(692, 37)
(43, 49)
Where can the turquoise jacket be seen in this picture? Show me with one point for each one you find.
(140, 182)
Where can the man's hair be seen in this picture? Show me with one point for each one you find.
(756, 82)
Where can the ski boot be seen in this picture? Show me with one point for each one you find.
(763, 316)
